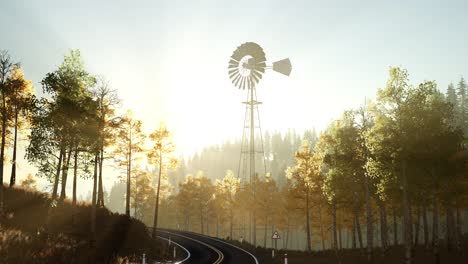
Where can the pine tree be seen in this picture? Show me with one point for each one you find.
(462, 106)
(451, 95)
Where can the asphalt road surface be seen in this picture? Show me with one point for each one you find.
(196, 248)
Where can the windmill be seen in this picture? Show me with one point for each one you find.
(246, 68)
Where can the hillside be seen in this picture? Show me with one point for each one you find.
(34, 232)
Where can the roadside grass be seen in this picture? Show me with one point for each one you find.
(395, 254)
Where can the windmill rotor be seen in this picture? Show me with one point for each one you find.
(248, 64)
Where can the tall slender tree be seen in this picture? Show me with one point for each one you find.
(19, 102)
(462, 105)
(129, 145)
(6, 69)
(107, 101)
(303, 176)
(226, 190)
(161, 155)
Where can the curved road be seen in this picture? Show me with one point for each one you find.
(196, 248)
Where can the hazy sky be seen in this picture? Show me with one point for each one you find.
(168, 59)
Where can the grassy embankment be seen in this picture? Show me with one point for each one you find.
(33, 232)
(395, 254)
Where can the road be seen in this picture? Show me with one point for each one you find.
(196, 248)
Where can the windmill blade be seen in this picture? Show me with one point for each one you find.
(254, 77)
(254, 50)
(283, 66)
(236, 80)
(261, 67)
(231, 66)
(231, 71)
(233, 75)
(233, 63)
(257, 75)
(237, 55)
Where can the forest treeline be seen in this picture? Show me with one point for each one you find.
(213, 160)
(391, 171)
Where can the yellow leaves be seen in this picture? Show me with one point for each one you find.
(305, 167)
(20, 87)
(29, 182)
(160, 135)
(289, 173)
(17, 73)
(161, 152)
(229, 183)
(173, 163)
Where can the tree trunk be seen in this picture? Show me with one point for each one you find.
(322, 235)
(156, 206)
(135, 209)
(417, 226)
(353, 234)
(395, 226)
(201, 219)
(425, 226)
(358, 229)
(347, 231)
(129, 170)
(231, 216)
(355, 209)
(370, 227)
(453, 231)
(217, 225)
(334, 232)
(458, 229)
(15, 139)
(66, 165)
(75, 170)
(307, 221)
(435, 229)
(101, 187)
(340, 244)
(266, 230)
(57, 174)
(287, 234)
(2, 150)
(250, 227)
(407, 225)
(447, 228)
(93, 208)
(207, 222)
(383, 227)
(450, 226)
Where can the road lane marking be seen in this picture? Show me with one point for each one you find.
(220, 254)
(215, 239)
(186, 250)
